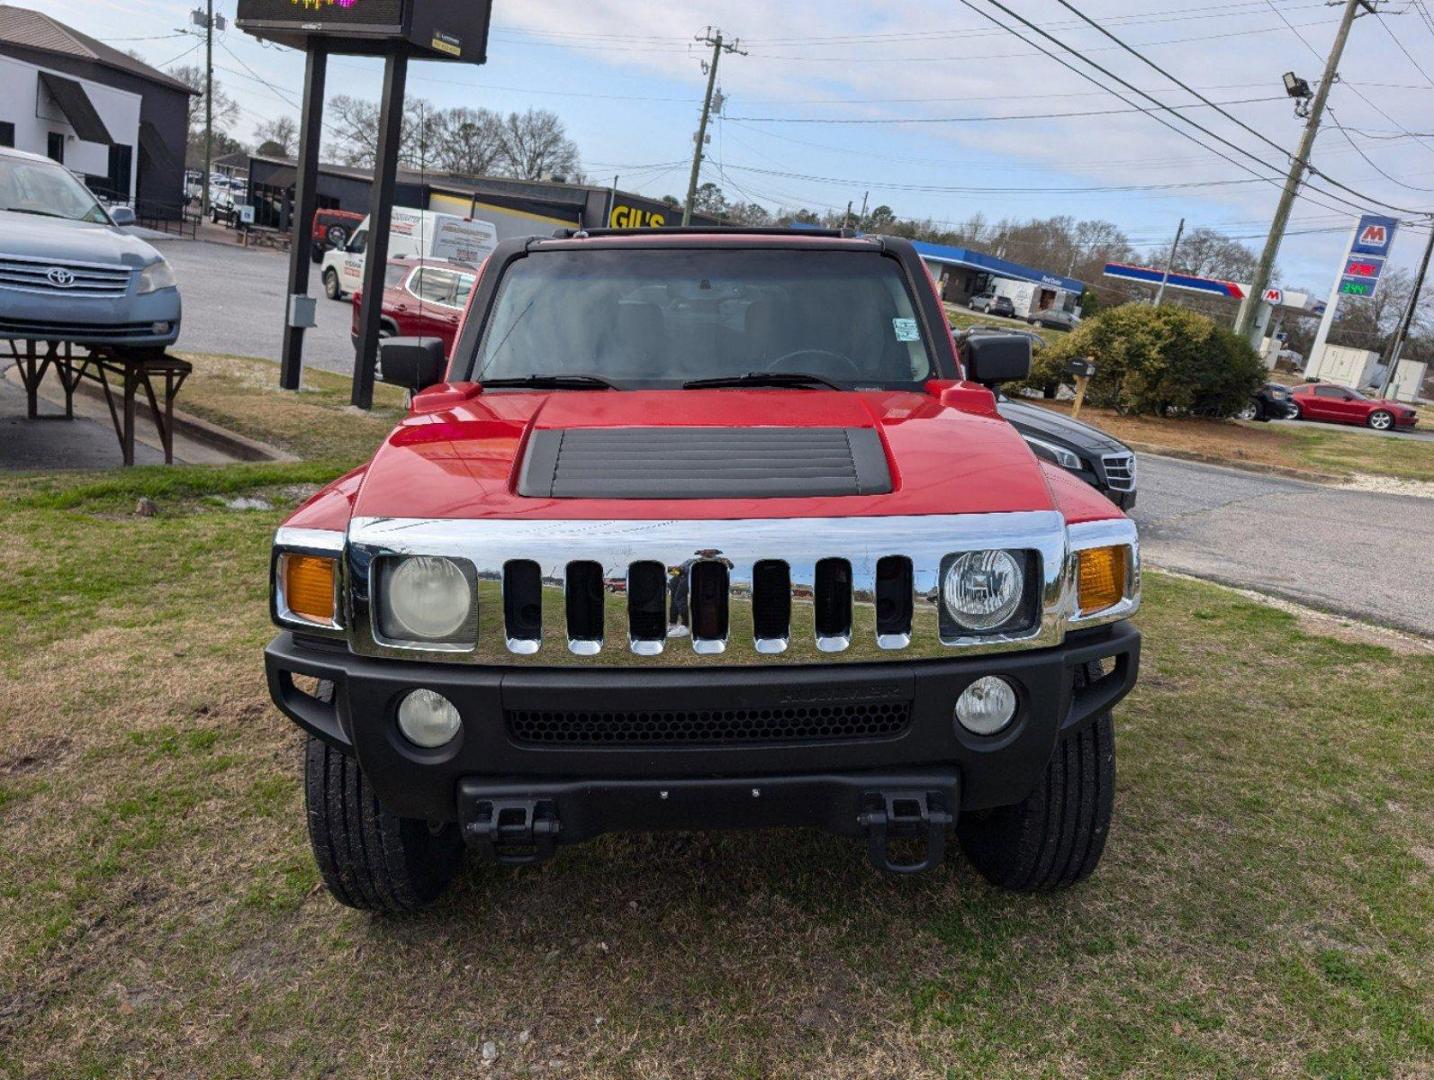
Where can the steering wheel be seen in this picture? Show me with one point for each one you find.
(786, 363)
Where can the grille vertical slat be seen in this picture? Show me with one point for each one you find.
(771, 605)
(707, 596)
(832, 603)
(523, 605)
(894, 596)
(584, 603)
(647, 607)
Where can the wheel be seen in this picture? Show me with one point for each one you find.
(337, 236)
(1295, 413)
(1381, 420)
(316, 254)
(1055, 837)
(1251, 411)
(387, 329)
(331, 285)
(368, 858)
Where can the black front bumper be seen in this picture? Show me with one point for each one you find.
(597, 788)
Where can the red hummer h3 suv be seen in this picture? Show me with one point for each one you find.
(704, 529)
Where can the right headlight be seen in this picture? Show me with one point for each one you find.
(983, 590)
(1066, 459)
(426, 599)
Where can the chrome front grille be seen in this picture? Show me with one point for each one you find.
(63, 278)
(683, 593)
(1119, 471)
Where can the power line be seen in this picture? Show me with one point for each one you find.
(983, 119)
(1379, 18)
(1229, 116)
(1393, 179)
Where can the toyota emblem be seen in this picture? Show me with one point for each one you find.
(60, 277)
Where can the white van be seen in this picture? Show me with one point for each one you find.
(412, 234)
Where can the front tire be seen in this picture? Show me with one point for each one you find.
(1381, 420)
(331, 285)
(369, 858)
(1055, 837)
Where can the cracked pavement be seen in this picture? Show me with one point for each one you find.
(1362, 554)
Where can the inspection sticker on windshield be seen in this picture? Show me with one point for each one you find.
(906, 330)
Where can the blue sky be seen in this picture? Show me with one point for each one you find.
(836, 99)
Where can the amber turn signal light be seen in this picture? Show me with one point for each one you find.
(1101, 581)
(309, 587)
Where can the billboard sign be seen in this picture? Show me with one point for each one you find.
(1364, 264)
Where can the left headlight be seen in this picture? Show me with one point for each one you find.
(1066, 459)
(426, 599)
(157, 275)
(983, 590)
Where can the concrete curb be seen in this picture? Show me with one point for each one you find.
(1286, 471)
(227, 442)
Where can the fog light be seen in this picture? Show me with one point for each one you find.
(428, 719)
(159, 328)
(986, 706)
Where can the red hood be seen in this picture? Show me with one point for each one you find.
(456, 456)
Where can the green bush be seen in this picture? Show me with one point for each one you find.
(1157, 361)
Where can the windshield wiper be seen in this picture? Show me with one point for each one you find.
(800, 379)
(38, 213)
(552, 382)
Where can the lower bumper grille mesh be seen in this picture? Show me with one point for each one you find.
(716, 727)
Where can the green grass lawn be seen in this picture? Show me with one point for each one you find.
(1263, 908)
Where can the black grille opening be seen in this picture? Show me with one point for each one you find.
(894, 592)
(772, 599)
(585, 619)
(709, 601)
(647, 601)
(854, 720)
(523, 600)
(833, 598)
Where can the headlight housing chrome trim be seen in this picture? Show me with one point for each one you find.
(323, 543)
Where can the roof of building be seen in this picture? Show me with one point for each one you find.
(979, 260)
(38, 31)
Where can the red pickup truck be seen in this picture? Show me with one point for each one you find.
(704, 529)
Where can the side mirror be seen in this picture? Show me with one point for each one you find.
(122, 215)
(997, 358)
(414, 363)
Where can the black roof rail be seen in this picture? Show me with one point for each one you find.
(746, 230)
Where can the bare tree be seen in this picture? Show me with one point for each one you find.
(225, 112)
(470, 142)
(353, 125)
(278, 137)
(535, 146)
(1210, 253)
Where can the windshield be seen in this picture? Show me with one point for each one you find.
(37, 187)
(640, 317)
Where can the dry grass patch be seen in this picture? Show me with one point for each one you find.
(1284, 446)
(1263, 908)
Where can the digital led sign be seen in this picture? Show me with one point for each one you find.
(424, 29)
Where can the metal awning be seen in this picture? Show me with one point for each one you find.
(152, 145)
(79, 110)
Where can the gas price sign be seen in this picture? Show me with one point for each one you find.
(1364, 265)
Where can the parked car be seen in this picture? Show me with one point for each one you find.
(992, 304)
(1103, 462)
(331, 231)
(1272, 401)
(725, 534)
(68, 270)
(1055, 319)
(420, 300)
(415, 234)
(1341, 405)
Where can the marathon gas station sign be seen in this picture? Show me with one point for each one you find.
(1364, 263)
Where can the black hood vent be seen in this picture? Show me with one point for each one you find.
(703, 463)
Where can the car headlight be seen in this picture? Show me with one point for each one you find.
(157, 275)
(982, 590)
(426, 599)
(1051, 452)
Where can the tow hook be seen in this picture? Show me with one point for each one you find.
(904, 815)
(516, 832)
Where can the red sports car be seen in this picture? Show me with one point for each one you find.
(1341, 405)
(421, 299)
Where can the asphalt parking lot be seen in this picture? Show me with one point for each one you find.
(234, 303)
(1355, 553)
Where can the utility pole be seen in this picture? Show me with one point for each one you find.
(1245, 322)
(846, 220)
(713, 38)
(208, 109)
(1169, 264)
(1397, 346)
